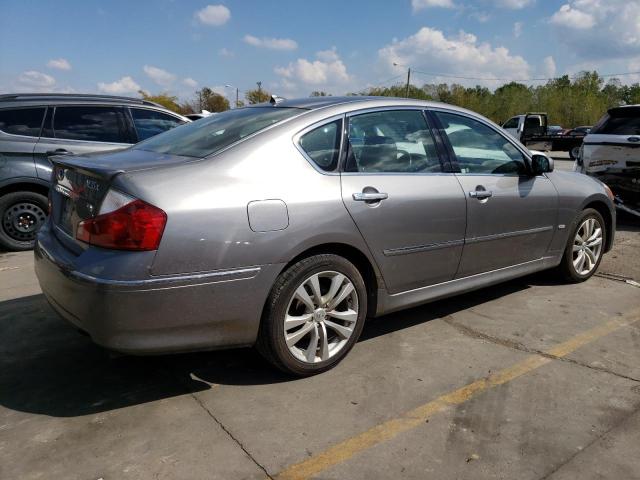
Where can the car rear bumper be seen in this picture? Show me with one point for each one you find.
(202, 311)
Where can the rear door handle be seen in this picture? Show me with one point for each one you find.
(369, 196)
(58, 151)
(481, 194)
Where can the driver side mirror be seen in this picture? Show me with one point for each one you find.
(541, 164)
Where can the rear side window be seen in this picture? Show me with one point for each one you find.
(322, 145)
(92, 124)
(623, 121)
(22, 121)
(151, 122)
(212, 134)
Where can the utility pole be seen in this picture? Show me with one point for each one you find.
(259, 89)
(408, 81)
(237, 102)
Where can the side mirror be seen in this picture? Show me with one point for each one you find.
(541, 164)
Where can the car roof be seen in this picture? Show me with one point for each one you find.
(61, 98)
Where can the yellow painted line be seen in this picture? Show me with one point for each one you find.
(347, 449)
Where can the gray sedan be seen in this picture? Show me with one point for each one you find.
(285, 225)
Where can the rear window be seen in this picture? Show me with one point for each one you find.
(212, 134)
(620, 121)
(22, 121)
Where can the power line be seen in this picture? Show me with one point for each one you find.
(430, 74)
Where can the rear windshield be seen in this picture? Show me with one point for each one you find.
(619, 121)
(212, 134)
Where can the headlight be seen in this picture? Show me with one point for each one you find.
(609, 192)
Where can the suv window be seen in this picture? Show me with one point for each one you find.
(479, 148)
(93, 124)
(322, 145)
(621, 121)
(151, 122)
(512, 123)
(391, 141)
(22, 121)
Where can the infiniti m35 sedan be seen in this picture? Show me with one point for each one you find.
(285, 225)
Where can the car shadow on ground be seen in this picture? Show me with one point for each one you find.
(47, 367)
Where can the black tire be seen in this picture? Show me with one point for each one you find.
(566, 268)
(32, 208)
(271, 338)
(574, 153)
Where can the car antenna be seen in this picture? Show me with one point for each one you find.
(275, 100)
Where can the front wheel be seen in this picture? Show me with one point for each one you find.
(21, 216)
(585, 246)
(314, 315)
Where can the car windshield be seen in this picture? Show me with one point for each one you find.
(212, 134)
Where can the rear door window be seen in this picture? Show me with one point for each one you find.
(322, 145)
(151, 122)
(22, 121)
(91, 124)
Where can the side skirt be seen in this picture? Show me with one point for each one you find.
(390, 303)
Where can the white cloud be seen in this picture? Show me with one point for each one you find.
(327, 69)
(572, 18)
(422, 4)
(190, 82)
(124, 85)
(36, 80)
(549, 67)
(599, 29)
(271, 43)
(225, 52)
(159, 76)
(517, 29)
(514, 4)
(431, 51)
(59, 64)
(213, 15)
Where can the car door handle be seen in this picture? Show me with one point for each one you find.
(481, 194)
(369, 196)
(58, 151)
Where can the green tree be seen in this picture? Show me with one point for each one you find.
(167, 101)
(319, 93)
(257, 96)
(209, 100)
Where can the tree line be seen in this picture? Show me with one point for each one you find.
(570, 102)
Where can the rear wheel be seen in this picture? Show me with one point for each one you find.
(585, 247)
(21, 216)
(574, 153)
(314, 315)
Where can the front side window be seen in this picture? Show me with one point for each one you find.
(149, 123)
(92, 124)
(22, 121)
(479, 148)
(394, 141)
(211, 134)
(322, 145)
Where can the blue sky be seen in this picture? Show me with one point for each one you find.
(295, 47)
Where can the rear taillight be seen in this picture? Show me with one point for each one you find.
(133, 226)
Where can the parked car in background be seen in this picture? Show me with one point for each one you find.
(35, 126)
(287, 224)
(198, 116)
(577, 131)
(611, 153)
(534, 133)
(555, 130)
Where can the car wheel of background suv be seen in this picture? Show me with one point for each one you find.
(314, 315)
(21, 215)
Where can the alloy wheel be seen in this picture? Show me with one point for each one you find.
(321, 316)
(587, 246)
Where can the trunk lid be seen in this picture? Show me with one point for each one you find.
(80, 183)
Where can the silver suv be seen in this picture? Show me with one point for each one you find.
(34, 126)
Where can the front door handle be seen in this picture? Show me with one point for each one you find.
(369, 196)
(58, 151)
(481, 194)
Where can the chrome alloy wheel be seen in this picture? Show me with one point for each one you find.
(587, 246)
(321, 317)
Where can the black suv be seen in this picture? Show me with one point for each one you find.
(35, 126)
